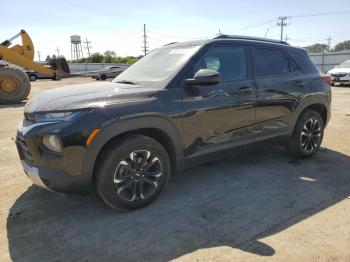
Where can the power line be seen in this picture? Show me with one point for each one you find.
(177, 37)
(320, 14)
(88, 46)
(266, 22)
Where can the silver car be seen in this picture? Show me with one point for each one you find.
(108, 72)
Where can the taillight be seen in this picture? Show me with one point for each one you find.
(327, 79)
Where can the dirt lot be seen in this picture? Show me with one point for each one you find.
(258, 205)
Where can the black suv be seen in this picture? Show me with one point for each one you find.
(178, 106)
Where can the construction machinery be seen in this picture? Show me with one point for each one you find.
(14, 82)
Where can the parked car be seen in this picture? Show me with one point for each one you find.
(33, 76)
(180, 105)
(108, 72)
(341, 73)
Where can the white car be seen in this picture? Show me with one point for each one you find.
(341, 73)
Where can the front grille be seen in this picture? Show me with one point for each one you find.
(23, 148)
(338, 74)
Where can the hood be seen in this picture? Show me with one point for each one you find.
(84, 96)
(339, 70)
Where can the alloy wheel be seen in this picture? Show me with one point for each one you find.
(310, 135)
(137, 176)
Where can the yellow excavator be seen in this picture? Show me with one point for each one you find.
(14, 82)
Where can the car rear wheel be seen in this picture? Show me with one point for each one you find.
(132, 172)
(103, 77)
(307, 136)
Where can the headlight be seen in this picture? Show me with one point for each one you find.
(52, 142)
(61, 116)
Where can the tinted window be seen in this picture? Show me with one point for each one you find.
(230, 62)
(268, 62)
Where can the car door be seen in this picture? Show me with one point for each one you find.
(280, 87)
(222, 115)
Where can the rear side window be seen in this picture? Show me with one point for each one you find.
(269, 62)
(301, 57)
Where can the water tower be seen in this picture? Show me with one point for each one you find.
(76, 48)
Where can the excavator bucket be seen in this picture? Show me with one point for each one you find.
(60, 66)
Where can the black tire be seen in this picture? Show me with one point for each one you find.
(32, 78)
(56, 78)
(103, 77)
(21, 82)
(117, 182)
(307, 136)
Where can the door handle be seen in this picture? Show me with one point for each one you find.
(246, 89)
(300, 83)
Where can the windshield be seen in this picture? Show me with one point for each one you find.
(157, 67)
(345, 64)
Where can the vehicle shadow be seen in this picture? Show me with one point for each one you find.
(234, 202)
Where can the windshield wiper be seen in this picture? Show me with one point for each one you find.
(128, 82)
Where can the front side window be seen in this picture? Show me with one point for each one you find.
(229, 61)
(269, 62)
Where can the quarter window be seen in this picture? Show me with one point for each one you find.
(229, 61)
(269, 62)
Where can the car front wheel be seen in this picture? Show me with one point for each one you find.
(132, 172)
(32, 77)
(307, 136)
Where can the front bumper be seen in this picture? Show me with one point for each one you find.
(57, 180)
(33, 174)
(63, 172)
(344, 79)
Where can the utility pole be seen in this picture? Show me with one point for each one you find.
(58, 52)
(329, 39)
(267, 32)
(286, 39)
(39, 56)
(219, 32)
(322, 61)
(282, 23)
(87, 46)
(144, 47)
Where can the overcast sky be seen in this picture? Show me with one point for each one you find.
(118, 25)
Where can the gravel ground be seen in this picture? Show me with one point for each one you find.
(258, 204)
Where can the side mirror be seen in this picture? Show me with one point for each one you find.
(204, 77)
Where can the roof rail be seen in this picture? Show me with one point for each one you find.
(170, 43)
(250, 38)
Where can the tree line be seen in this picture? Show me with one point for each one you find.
(107, 57)
(319, 48)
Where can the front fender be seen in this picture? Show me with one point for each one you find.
(123, 125)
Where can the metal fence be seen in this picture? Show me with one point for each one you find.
(328, 60)
(88, 67)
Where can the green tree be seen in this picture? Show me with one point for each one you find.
(95, 58)
(108, 56)
(342, 46)
(316, 48)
